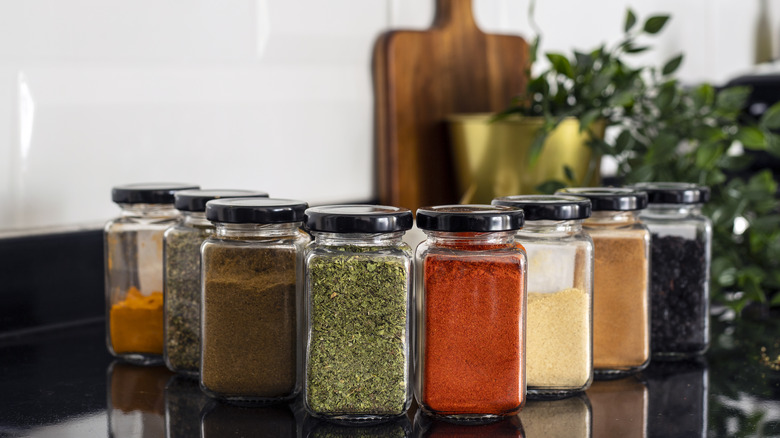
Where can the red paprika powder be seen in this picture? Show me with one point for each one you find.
(472, 312)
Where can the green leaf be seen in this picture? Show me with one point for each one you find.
(751, 138)
(588, 118)
(623, 142)
(535, 49)
(622, 98)
(773, 144)
(636, 49)
(642, 173)
(550, 187)
(707, 155)
(630, 20)
(569, 174)
(584, 62)
(704, 95)
(536, 147)
(771, 118)
(672, 66)
(732, 99)
(561, 64)
(654, 24)
(775, 300)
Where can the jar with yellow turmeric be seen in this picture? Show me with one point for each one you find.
(134, 270)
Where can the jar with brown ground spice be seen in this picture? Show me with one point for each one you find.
(559, 340)
(621, 269)
(181, 294)
(252, 271)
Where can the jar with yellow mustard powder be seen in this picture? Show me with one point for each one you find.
(559, 339)
(134, 270)
(621, 290)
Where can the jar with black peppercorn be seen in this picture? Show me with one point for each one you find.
(252, 280)
(682, 238)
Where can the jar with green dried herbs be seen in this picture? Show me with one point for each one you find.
(181, 288)
(252, 279)
(358, 284)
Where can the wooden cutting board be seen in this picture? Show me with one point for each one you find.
(420, 78)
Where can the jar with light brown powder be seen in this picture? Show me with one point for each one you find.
(621, 307)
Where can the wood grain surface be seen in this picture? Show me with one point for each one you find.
(420, 78)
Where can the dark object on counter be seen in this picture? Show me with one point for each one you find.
(184, 403)
(679, 276)
(678, 394)
(223, 420)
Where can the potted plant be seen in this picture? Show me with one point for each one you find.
(661, 130)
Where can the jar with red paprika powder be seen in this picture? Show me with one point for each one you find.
(559, 344)
(471, 306)
(621, 277)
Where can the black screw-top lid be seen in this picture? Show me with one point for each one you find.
(463, 218)
(358, 219)
(610, 198)
(255, 210)
(148, 193)
(195, 200)
(547, 207)
(674, 192)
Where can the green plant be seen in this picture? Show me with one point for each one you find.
(660, 130)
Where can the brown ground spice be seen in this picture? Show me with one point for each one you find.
(249, 341)
(621, 337)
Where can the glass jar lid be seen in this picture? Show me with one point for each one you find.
(464, 218)
(674, 192)
(255, 210)
(148, 193)
(610, 198)
(548, 207)
(195, 200)
(358, 219)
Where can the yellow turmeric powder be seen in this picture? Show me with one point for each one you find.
(137, 323)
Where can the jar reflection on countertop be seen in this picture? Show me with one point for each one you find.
(678, 393)
(559, 342)
(136, 399)
(567, 418)
(182, 286)
(184, 403)
(621, 270)
(221, 419)
(680, 266)
(620, 408)
(134, 270)
(432, 427)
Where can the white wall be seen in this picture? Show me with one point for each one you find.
(262, 94)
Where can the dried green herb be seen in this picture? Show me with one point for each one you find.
(249, 320)
(184, 402)
(357, 352)
(182, 296)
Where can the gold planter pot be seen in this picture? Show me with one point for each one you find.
(492, 159)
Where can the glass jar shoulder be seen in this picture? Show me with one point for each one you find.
(624, 230)
(579, 239)
(317, 249)
(138, 223)
(514, 253)
(297, 242)
(183, 231)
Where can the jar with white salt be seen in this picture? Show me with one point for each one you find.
(559, 334)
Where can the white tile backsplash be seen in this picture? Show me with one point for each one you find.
(262, 94)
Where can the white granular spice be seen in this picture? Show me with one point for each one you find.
(558, 349)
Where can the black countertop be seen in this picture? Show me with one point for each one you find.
(62, 382)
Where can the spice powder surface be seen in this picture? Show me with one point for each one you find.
(473, 334)
(249, 321)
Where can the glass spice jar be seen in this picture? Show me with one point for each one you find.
(559, 340)
(621, 301)
(134, 270)
(358, 295)
(471, 307)
(680, 268)
(252, 274)
(181, 294)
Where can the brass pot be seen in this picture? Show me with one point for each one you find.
(492, 159)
